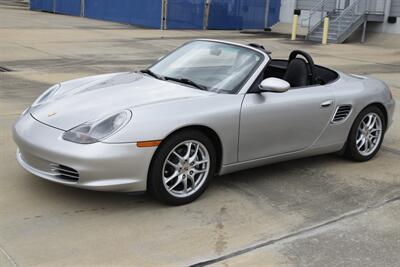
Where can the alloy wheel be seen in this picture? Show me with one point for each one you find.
(369, 134)
(186, 168)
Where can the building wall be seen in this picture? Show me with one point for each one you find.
(395, 8)
(308, 4)
(392, 9)
(181, 14)
(286, 12)
(287, 8)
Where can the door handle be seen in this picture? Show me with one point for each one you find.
(326, 104)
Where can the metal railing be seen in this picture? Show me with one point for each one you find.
(345, 15)
(349, 16)
(317, 14)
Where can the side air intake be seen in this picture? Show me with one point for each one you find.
(64, 172)
(341, 114)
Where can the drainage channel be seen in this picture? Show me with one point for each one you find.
(296, 234)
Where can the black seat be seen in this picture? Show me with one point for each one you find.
(297, 73)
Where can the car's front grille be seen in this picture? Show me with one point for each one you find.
(64, 172)
(341, 114)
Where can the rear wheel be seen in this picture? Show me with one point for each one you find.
(366, 134)
(182, 167)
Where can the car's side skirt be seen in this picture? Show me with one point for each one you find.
(225, 169)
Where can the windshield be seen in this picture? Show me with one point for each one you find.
(212, 66)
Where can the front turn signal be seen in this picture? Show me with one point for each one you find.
(148, 143)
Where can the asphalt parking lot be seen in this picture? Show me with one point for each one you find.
(320, 211)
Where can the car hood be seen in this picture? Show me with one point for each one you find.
(88, 99)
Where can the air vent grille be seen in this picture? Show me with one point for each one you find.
(64, 172)
(341, 114)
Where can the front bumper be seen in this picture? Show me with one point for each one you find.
(100, 166)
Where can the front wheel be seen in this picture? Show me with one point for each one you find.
(366, 134)
(182, 167)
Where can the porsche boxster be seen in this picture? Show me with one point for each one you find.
(207, 108)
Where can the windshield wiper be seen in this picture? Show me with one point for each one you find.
(155, 75)
(188, 82)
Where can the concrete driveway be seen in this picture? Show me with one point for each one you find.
(320, 211)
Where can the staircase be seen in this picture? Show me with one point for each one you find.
(342, 22)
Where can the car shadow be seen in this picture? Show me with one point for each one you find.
(254, 179)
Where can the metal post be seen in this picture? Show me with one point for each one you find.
(206, 14)
(266, 14)
(364, 31)
(294, 26)
(82, 8)
(325, 32)
(322, 10)
(164, 8)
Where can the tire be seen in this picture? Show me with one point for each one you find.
(168, 168)
(360, 153)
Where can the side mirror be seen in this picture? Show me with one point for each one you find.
(274, 85)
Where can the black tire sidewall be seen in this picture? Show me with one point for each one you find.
(352, 151)
(155, 183)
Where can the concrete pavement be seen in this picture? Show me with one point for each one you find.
(317, 211)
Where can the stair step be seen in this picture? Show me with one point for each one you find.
(336, 24)
(343, 18)
(320, 37)
(330, 37)
(342, 22)
(319, 40)
(320, 33)
(334, 27)
(343, 26)
(334, 35)
(329, 30)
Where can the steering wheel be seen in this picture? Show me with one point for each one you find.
(310, 61)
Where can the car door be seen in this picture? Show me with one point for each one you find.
(278, 123)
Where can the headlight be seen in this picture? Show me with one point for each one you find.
(46, 95)
(92, 132)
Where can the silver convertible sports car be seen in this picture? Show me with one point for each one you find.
(208, 108)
